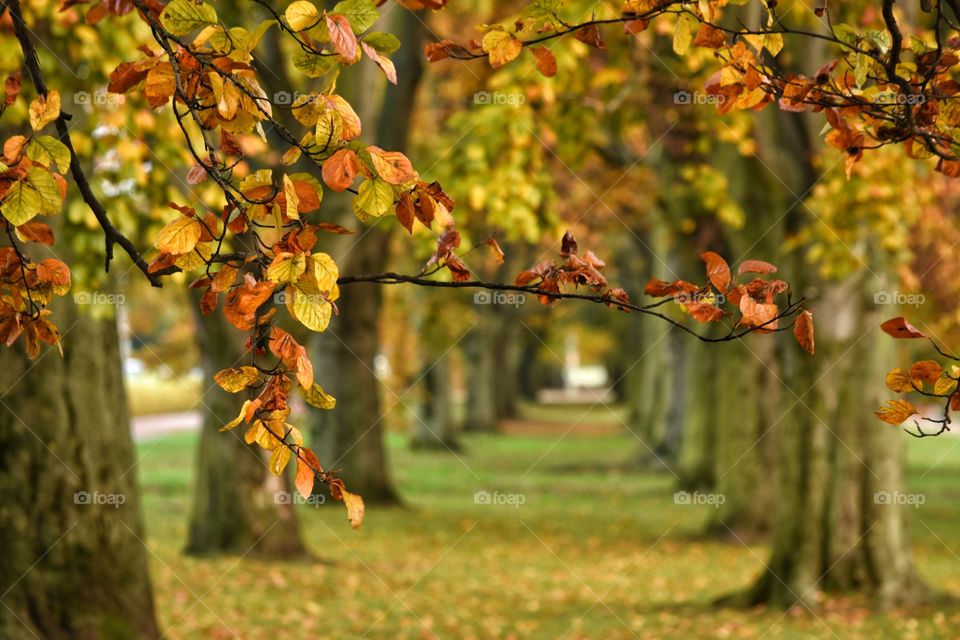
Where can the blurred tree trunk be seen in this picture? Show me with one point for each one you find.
(239, 507)
(351, 437)
(481, 358)
(435, 428)
(71, 567)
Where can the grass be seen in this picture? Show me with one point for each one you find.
(150, 394)
(589, 554)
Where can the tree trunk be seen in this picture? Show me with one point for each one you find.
(841, 525)
(434, 427)
(481, 368)
(239, 507)
(351, 437)
(74, 564)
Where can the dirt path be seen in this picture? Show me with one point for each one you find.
(146, 427)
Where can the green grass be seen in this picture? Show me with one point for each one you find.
(592, 553)
(149, 394)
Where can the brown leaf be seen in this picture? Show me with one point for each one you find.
(590, 35)
(546, 61)
(926, 371)
(718, 271)
(901, 329)
(405, 211)
(803, 331)
(495, 249)
(340, 169)
(896, 411)
(755, 266)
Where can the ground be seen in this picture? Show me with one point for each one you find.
(593, 551)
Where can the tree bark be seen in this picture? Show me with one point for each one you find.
(74, 564)
(239, 507)
(435, 428)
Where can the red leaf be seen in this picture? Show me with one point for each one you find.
(340, 169)
(803, 331)
(718, 271)
(756, 266)
(341, 36)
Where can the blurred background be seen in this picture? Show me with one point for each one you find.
(529, 471)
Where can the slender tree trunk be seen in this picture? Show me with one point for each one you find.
(74, 565)
(435, 428)
(481, 367)
(239, 507)
(351, 437)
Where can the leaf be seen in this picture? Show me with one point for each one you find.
(342, 37)
(242, 303)
(405, 211)
(237, 379)
(36, 232)
(279, 459)
(392, 166)
(311, 309)
(362, 14)
(385, 43)
(704, 312)
(240, 417)
(495, 249)
(590, 35)
(53, 271)
(546, 61)
(897, 380)
(180, 17)
(20, 204)
(925, 371)
(374, 198)
(901, 329)
(758, 314)
(756, 266)
(501, 47)
(803, 330)
(287, 267)
(305, 476)
(180, 236)
(351, 501)
(945, 385)
(317, 397)
(385, 63)
(48, 188)
(896, 411)
(683, 34)
(293, 356)
(13, 148)
(710, 37)
(301, 15)
(340, 169)
(44, 110)
(717, 271)
(44, 149)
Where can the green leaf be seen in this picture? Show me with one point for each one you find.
(180, 17)
(313, 65)
(362, 14)
(47, 189)
(44, 149)
(385, 43)
(374, 198)
(21, 203)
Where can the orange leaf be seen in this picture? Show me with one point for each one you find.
(803, 330)
(340, 169)
(925, 370)
(718, 271)
(756, 266)
(901, 329)
(896, 411)
(341, 36)
(546, 61)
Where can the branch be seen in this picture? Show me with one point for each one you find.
(397, 278)
(112, 235)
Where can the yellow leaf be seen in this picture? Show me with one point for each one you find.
(318, 398)
(183, 16)
(179, 237)
(287, 267)
(312, 310)
(896, 411)
(44, 110)
(301, 15)
(21, 203)
(293, 200)
(237, 379)
(944, 386)
(683, 34)
(501, 47)
(279, 460)
(236, 421)
(898, 381)
(355, 508)
(374, 197)
(325, 272)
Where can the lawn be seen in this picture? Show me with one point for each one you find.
(592, 552)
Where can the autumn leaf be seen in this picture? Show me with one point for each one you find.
(495, 249)
(53, 271)
(305, 475)
(898, 381)
(179, 236)
(756, 266)
(896, 411)
(382, 61)
(803, 330)
(237, 379)
(242, 302)
(925, 371)
(901, 329)
(301, 15)
(392, 166)
(710, 37)
(180, 17)
(342, 37)
(501, 47)
(44, 110)
(718, 271)
(703, 312)
(546, 61)
(317, 397)
(340, 169)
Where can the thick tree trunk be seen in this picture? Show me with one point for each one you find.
(481, 369)
(841, 525)
(239, 507)
(74, 565)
